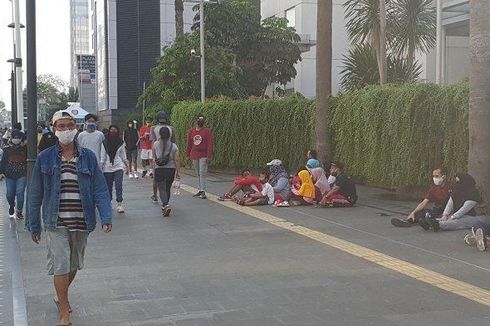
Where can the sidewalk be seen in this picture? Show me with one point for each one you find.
(211, 265)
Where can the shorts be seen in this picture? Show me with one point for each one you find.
(132, 155)
(66, 250)
(146, 154)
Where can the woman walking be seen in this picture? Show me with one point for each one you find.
(114, 162)
(167, 167)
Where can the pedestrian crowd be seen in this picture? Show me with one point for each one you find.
(76, 172)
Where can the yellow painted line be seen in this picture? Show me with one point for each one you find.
(421, 274)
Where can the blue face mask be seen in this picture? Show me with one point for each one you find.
(90, 127)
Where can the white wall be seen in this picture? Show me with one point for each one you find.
(305, 81)
(167, 20)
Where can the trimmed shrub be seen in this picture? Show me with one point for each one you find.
(390, 136)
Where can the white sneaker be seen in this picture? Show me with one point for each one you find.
(135, 175)
(120, 208)
(131, 176)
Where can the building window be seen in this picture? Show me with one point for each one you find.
(290, 15)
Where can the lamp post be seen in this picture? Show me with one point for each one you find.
(13, 114)
(16, 25)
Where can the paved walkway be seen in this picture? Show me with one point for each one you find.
(211, 264)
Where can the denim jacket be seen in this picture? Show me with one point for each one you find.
(45, 190)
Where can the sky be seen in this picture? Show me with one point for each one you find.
(53, 41)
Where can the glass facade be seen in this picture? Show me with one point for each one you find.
(79, 34)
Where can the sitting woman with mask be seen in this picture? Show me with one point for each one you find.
(460, 209)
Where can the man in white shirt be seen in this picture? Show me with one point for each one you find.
(91, 138)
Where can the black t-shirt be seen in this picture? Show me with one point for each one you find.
(347, 187)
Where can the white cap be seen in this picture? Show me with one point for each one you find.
(62, 114)
(275, 162)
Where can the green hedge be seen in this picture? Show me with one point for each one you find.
(250, 133)
(390, 136)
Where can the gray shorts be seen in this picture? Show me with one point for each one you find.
(132, 155)
(66, 250)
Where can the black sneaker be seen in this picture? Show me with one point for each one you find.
(144, 173)
(198, 194)
(203, 195)
(424, 223)
(154, 198)
(19, 215)
(166, 211)
(401, 223)
(433, 223)
(12, 212)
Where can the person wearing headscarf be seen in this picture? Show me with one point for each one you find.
(460, 209)
(321, 182)
(114, 162)
(280, 183)
(303, 189)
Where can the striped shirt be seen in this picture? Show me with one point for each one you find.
(70, 211)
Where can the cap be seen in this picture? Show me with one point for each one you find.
(162, 116)
(17, 134)
(312, 163)
(200, 116)
(337, 164)
(62, 114)
(275, 162)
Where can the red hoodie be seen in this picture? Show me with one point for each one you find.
(199, 144)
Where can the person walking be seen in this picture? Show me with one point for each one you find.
(68, 184)
(114, 162)
(146, 146)
(13, 167)
(131, 140)
(200, 151)
(167, 167)
(91, 138)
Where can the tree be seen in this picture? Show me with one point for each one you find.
(323, 78)
(176, 75)
(73, 95)
(382, 61)
(52, 89)
(266, 52)
(179, 19)
(479, 111)
(360, 69)
(414, 27)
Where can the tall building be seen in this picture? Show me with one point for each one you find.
(128, 38)
(82, 65)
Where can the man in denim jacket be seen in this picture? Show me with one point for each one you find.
(69, 185)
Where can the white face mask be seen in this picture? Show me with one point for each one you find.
(16, 141)
(67, 136)
(438, 181)
(331, 179)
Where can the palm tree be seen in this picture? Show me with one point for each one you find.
(382, 61)
(179, 19)
(479, 113)
(323, 78)
(414, 27)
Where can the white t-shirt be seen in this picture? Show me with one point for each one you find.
(119, 159)
(92, 141)
(268, 191)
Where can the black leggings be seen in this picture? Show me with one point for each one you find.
(164, 178)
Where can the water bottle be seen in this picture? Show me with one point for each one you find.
(176, 187)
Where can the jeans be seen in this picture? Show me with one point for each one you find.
(117, 178)
(201, 168)
(465, 222)
(16, 188)
(164, 179)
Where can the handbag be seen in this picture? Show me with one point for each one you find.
(164, 160)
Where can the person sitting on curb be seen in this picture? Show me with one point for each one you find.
(247, 182)
(321, 182)
(265, 197)
(479, 236)
(280, 183)
(438, 194)
(312, 159)
(343, 193)
(460, 209)
(303, 189)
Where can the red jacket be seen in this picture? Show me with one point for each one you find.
(199, 144)
(249, 181)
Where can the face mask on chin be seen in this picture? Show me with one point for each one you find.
(16, 141)
(331, 179)
(67, 136)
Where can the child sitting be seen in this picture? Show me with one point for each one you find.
(265, 197)
(248, 183)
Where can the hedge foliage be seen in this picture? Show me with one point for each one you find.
(390, 136)
(250, 133)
